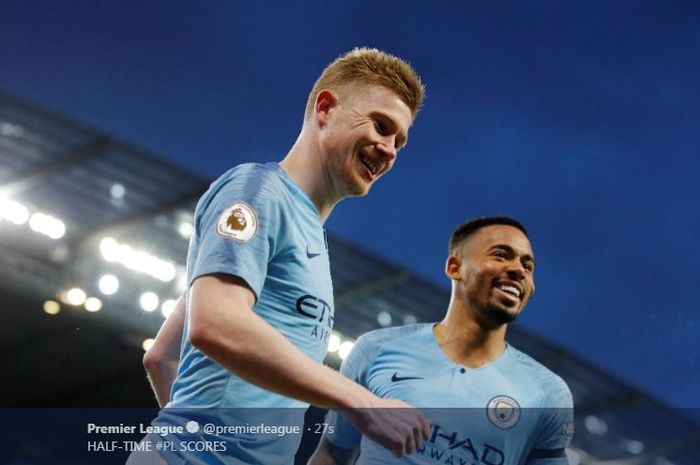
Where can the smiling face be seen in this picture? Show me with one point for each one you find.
(363, 128)
(493, 271)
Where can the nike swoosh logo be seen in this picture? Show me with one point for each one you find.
(309, 254)
(396, 377)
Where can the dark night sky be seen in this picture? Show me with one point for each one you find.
(581, 119)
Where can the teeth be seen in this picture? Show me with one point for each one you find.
(372, 167)
(510, 290)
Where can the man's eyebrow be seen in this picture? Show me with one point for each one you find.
(511, 250)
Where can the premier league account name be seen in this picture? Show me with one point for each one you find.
(121, 428)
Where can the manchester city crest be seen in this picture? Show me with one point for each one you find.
(503, 411)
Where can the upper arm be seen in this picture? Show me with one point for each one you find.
(214, 299)
(238, 230)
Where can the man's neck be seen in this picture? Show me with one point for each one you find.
(303, 166)
(466, 342)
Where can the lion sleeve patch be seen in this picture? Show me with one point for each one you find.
(238, 222)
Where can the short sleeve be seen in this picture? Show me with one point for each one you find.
(340, 431)
(238, 224)
(557, 427)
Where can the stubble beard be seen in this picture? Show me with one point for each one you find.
(497, 315)
(351, 180)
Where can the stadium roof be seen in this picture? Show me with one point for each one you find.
(65, 187)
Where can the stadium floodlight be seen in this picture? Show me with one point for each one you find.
(181, 283)
(93, 304)
(345, 349)
(37, 222)
(186, 229)
(76, 296)
(149, 301)
(384, 318)
(108, 284)
(51, 307)
(595, 425)
(13, 211)
(137, 260)
(109, 249)
(8, 129)
(47, 225)
(147, 344)
(117, 191)
(632, 446)
(134, 259)
(168, 307)
(165, 271)
(333, 343)
(56, 228)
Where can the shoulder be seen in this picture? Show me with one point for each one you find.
(555, 391)
(370, 345)
(251, 178)
(253, 185)
(372, 342)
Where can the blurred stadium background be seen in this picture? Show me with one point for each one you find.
(93, 237)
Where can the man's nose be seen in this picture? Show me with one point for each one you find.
(389, 151)
(516, 270)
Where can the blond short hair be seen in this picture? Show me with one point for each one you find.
(369, 66)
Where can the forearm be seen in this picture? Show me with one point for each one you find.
(161, 376)
(161, 360)
(224, 327)
(253, 349)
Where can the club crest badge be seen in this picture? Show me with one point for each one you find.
(503, 411)
(238, 222)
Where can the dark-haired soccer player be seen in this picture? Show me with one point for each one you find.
(490, 404)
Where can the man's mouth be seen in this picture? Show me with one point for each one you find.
(510, 290)
(371, 165)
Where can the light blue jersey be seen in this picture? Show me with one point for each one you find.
(513, 411)
(256, 224)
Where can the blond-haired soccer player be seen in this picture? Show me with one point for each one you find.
(259, 306)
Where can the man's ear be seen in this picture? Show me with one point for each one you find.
(325, 101)
(453, 266)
